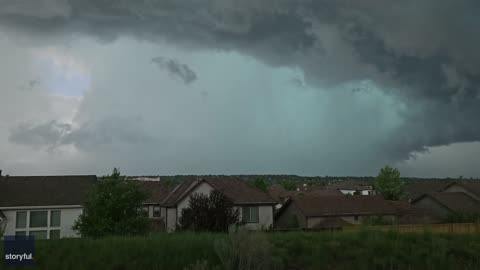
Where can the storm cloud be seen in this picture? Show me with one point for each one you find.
(423, 55)
(176, 69)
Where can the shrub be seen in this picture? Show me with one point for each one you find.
(213, 213)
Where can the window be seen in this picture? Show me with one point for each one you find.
(355, 217)
(54, 234)
(38, 235)
(55, 218)
(21, 220)
(41, 224)
(38, 219)
(250, 214)
(156, 211)
(21, 233)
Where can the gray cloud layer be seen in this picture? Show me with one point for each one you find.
(424, 53)
(175, 68)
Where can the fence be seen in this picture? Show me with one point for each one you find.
(435, 228)
(415, 228)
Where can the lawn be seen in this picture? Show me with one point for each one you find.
(242, 250)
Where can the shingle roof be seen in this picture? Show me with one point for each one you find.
(44, 190)
(279, 193)
(332, 222)
(458, 202)
(471, 185)
(315, 206)
(417, 188)
(156, 191)
(352, 184)
(234, 188)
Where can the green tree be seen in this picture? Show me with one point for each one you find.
(289, 185)
(260, 184)
(389, 184)
(212, 213)
(113, 207)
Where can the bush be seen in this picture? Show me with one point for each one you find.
(113, 207)
(211, 213)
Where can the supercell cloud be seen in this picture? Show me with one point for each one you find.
(352, 85)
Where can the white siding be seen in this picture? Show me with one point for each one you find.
(68, 216)
(171, 219)
(265, 218)
(203, 188)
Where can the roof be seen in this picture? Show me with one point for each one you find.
(156, 191)
(412, 214)
(316, 206)
(470, 185)
(417, 188)
(279, 193)
(457, 202)
(332, 222)
(44, 190)
(352, 184)
(234, 188)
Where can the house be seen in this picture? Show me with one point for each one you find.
(416, 188)
(333, 211)
(43, 206)
(353, 187)
(471, 188)
(445, 204)
(256, 207)
(281, 195)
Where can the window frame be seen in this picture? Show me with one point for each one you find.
(28, 230)
(250, 219)
(154, 213)
(25, 226)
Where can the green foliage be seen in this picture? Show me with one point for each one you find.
(260, 184)
(212, 213)
(377, 220)
(463, 218)
(293, 250)
(244, 249)
(113, 207)
(289, 185)
(389, 184)
(292, 222)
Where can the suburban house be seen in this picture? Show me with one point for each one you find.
(256, 207)
(353, 187)
(333, 211)
(471, 188)
(416, 188)
(327, 212)
(281, 195)
(446, 204)
(43, 206)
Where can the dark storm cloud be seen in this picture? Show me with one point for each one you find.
(88, 136)
(45, 134)
(423, 52)
(175, 68)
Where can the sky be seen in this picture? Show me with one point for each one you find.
(307, 87)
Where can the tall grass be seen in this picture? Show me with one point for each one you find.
(242, 250)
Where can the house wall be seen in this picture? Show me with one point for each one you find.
(265, 218)
(68, 216)
(434, 207)
(458, 188)
(171, 219)
(283, 219)
(203, 188)
(352, 191)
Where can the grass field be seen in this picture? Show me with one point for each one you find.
(242, 250)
